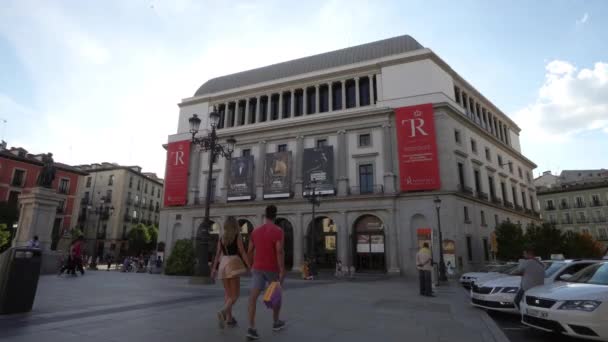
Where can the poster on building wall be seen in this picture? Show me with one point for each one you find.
(176, 173)
(417, 148)
(424, 235)
(277, 175)
(377, 243)
(240, 179)
(363, 244)
(318, 166)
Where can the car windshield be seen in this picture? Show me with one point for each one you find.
(553, 267)
(594, 274)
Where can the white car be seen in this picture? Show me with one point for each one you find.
(578, 307)
(499, 294)
(507, 271)
(468, 278)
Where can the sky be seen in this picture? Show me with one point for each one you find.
(94, 81)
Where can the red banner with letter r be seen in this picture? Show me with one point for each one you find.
(176, 173)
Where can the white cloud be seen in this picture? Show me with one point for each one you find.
(584, 19)
(570, 102)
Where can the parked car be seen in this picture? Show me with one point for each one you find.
(577, 307)
(467, 278)
(499, 294)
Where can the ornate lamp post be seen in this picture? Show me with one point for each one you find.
(315, 200)
(442, 274)
(103, 212)
(209, 144)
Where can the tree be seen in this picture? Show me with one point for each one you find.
(511, 241)
(545, 240)
(139, 238)
(5, 237)
(182, 260)
(578, 245)
(153, 233)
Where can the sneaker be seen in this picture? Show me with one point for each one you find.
(252, 334)
(232, 323)
(221, 319)
(278, 325)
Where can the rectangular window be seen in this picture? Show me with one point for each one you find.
(474, 146)
(514, 193)
(108, 198)
(492, 189)
(337, 96)
(457, 137)
(486, 250)
(130, 182)
(146, 188)
(532, 202)
(138, 184)
(483, 218)
(510, 167)
(602, 234)
(282, 148)
(299, 103)
(89, 179)
(523, 200)
(321, 142)
(521, 176)
(246, 152)
(488, 154)
(457, 94)
(323, 99)
(477, 181)
(528, 177)
(579, 202)
(64, 186)
(503, 191)
(18, 178)
(366, 178)
(13, 196)
(496, 221)
(461, 175)
(595, 199)
(467, 219)
(286, 105)
(550, 205)
(469, 249)
(111, 180)
(365, 140)
(500, 161)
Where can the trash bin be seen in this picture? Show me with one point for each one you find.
(19, 273)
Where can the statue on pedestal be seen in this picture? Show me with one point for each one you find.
(47, 175)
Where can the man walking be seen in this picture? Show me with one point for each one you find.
(266, 251)
(424, 263)
(532, 274)
(34, 243)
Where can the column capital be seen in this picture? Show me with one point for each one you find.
(262, 142)
(317, 86)
(343, 81)
(300, 137)
(387, 125)
(357, 78)
(342, 131)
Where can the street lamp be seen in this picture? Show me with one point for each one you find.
(103, 212)
(315, 200)
(442, 275)
(209, 144)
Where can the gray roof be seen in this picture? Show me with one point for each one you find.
(351, 55)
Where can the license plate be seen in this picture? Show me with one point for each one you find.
(536, 313)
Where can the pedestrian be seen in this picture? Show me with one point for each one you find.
(266, 251)
(109, 259)
(229, 251)
(77, 255)
(424, 263)
(33, 243)
(532, 273)
(339, 272)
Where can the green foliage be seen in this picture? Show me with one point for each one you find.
(581, 246)
(545, 240)
(153, 233)
(5, 236)
(139, 239)
(181, 261)
(511, 241)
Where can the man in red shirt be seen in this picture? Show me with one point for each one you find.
(266, 251)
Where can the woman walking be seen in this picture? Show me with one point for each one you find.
(229, 252)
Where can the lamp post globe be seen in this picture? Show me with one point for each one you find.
(214, 118)
(442, 272)
(195, 123)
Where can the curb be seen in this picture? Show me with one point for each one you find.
(497, 333)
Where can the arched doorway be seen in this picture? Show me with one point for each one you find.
(246, 229)
(369, 244)
(288, 234)
(322, 242)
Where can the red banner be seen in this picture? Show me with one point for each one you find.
(176, 173)
(417, 148)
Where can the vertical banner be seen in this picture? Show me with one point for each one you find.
(318, 165)
(417, 148)
(240, 180)
(277, 175)
(176, 173)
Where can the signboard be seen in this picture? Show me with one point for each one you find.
(318, 165)
(377, 245)
(277, 175)
(240, 179)
(176, 173)
(424, 235)
(363, 244)
(417, 148)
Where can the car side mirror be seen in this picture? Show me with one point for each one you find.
(565, 277)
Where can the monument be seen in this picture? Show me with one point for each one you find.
(38, 209)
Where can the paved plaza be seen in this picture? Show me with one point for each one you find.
(114, 306)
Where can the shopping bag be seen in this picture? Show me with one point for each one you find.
(272, 296)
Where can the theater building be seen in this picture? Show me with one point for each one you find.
(380, 131)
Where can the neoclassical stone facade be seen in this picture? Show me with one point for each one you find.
(346, 100)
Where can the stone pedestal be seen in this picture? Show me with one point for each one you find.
(37, 216)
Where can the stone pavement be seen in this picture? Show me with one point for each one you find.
(114, 306)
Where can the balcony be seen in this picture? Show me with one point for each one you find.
(496, 200)
(528, 211)
(582, 220)
(129, 201)
(600, 219)
(366, 190)
(482, 195)
(580, 205)
(85, 201)
(567, 221)
(563, 206)
(157, 210)
(508, 204)
(596, 204)
(465, 190)
(549, 208)
(519, 207)
(535, 213)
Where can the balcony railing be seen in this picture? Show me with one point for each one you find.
(367, 190)
(528, 211)
(567, 221)
(508, 204)
(582, 220)
(580, 205)
(465, 190)
(519, 207)
(600, 219)
(482, 195)
(85, 201)
(496, 200)
(549, 208)
(596, 204)
(563, 206)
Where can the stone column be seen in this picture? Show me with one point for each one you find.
(292, 104)
(343, 94)
(330, 100)
(343, 241)
(317, 100)
(387, 159)
(269, 108)
(247, 114)
(298, 244)
(258, 111)
(259, 171)
(195, 175)
(357, 100)
(236, 113)
(393, 245)
(281, 105)
(299, 158)
(227, 115)
(304, 102)
(342, 164)
(371, 89)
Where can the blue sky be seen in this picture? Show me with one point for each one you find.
(96, 81)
